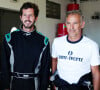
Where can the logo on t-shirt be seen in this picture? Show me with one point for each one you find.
(70, 52)
(70, 56)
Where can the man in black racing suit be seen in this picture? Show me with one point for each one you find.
(25, 61)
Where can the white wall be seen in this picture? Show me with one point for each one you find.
(47, 26)
(92, 27)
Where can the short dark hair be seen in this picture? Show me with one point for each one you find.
(30, 5)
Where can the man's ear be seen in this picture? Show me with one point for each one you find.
(83, 24)
(21, 18)
(36, 19)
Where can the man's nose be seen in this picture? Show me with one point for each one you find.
(28, 17)
(72, 26)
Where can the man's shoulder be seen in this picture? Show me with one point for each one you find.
(42, 37)
(90, 41)
(8, 35)
(59, 39)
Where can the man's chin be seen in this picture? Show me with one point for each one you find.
(28, 27)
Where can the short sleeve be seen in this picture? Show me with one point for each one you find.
(95, 58)
(54, 50)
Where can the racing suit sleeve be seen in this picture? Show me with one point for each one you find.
(45, 69)
(5, 65)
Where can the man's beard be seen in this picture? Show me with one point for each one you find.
(28, 27)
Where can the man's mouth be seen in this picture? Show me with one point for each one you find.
(27, 21)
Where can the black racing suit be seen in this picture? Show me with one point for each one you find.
(25, 61)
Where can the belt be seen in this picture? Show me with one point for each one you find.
(24, 75)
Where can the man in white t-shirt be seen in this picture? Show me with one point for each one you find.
(75, 58)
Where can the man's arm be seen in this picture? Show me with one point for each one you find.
(54, 64)
(45, 69)
(5, 67)
(96, 77)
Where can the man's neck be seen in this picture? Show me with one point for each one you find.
(28, 29)
(73, 39)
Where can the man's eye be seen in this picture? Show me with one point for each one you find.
(30, 15)
(24, 15)
(67, 23)
(75, 23)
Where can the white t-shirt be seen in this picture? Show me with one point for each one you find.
(75, 59)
